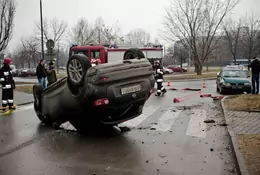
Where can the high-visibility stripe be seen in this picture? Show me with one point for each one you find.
(8, 86)
(10, 101)
(159, 80)
(4, 102)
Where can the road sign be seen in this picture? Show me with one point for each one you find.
(50, 44)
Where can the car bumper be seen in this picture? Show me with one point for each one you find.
(238, 88)
(114, 114)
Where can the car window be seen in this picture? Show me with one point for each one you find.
(80, 52)
(95, 54)
(234, 73)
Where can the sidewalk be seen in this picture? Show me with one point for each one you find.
(20, 98)
(244, 131)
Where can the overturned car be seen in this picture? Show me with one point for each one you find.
(107, 94)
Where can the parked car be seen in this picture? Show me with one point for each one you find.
(176, 68)
(27, 72)
(167, 71)
(233, 80)
(107, 94)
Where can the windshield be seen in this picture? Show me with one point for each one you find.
(234, 73)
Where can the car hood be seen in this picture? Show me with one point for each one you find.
(236, 80)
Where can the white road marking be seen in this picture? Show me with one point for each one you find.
(147, 112)
(196, 126)
(167, 120)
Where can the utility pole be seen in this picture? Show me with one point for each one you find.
(58, 58)
(41, 29)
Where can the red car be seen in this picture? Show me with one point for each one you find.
(177, 69)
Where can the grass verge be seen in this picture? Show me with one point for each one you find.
(190, 77)
(248, 102)
(25, 88)
(249, 146)
(59, 76)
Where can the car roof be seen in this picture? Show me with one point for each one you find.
(232, 69)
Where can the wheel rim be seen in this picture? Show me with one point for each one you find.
(130, 56)
(75, 71)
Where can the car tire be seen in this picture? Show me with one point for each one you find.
(217, 89)
(221, 91)
(37, 91)
(75, 62)
(44, 119)
(133, 53)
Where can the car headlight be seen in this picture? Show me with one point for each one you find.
(247, 84)
(226, 84)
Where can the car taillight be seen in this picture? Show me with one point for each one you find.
(104, 78)
(99, 102)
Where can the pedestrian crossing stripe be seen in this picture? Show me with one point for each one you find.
(167, 118)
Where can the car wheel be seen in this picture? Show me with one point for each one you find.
(44, 119)
(133, 53)
(77, 67)
(217, 89)
(37, 91)
(221, 90)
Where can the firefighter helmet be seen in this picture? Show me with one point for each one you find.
(157, 62)
(7, 60)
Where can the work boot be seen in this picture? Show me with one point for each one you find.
(3, 108)
(164, 92)
(12, 107)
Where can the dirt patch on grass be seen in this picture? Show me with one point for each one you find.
(249, 146)
(248, 102)
(59, 76)
(26, 88)
(190, 77)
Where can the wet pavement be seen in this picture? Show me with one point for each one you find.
(168, 139)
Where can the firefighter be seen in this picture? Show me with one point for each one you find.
(51, 74)
(8, 85)
(159, 78)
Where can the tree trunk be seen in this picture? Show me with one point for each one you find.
(207, 64)
(198, 66)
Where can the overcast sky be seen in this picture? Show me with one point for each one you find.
(129, 14)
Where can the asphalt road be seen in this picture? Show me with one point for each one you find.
(168, 139)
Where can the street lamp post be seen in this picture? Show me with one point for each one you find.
(41, 29)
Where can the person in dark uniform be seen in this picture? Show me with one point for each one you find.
(41, 73)
(255, 71)
(8, 85)
(51, 74)
(159, 79)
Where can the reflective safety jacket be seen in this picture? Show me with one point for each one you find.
(6, 78)
(158, 74)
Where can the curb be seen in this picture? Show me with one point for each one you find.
(239, 160)
(184, 80)
(26, 103)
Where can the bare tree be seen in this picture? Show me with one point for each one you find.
(7, 12)
(232, 35)
(196, 23)
(107, 34)
(27, 53)
(250, 33)
(181, 54)
(53, 29)
(138, 36)
(83, 33)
